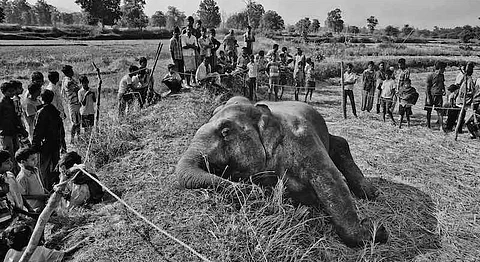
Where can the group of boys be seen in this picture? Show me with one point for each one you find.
(393, 86)
(32, 136)
(137, 84)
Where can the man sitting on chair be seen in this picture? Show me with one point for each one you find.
(172, 80)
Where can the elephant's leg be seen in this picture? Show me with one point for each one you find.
(340, 154)
(334, 197)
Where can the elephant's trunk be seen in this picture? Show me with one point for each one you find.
(191, 175)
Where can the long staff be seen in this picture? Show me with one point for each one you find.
(99, 76)
(150, 90)
(462, 111)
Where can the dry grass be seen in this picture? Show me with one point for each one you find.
(429, 185)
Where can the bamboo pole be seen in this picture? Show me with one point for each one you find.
(150, 91)
(344, 105)
(99, 76)
(43, 219)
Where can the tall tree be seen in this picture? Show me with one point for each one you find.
(407, 30)
(353, 29)
(209, 13)
(2, 15)
(238, 21)
(107, 12)
(254, 12)
(272, 21)
(67, 18)
(392, 31)
(175, 17)
(133, 15)
(334, 20)
(303, 27)
(158, 19)
(372, 22)
(44, 12)
(315, 26)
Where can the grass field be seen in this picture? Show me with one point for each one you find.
(429, 182)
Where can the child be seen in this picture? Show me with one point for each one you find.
(11, 126)
(252, 77)
(87, 99)
(48, 139)
(37, 78)
(388, 94)
(222, 61)
(243, 60)
(309, 79)
(83, 189)
(18, 234)
(435, 92)
(10, 195)
(127, 83)
(23, 141)
(172, 80)
(54, 78)
(273, 72)
(349, 80)
(380, 78)
(70, 90)
(369, 83)
(29, 179)
(30, 104)
(408, 97)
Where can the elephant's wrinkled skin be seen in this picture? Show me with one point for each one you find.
(290, 138)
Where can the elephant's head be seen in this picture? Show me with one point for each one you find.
(235, 144)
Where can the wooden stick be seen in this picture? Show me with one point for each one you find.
(462, 111)
(43, 219)
(150, 91)
(99, 76)
(344, 105)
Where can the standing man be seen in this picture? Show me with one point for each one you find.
(369, 82)
(54, 78)
(249, 38)
(299, 72)
(189, 48)
(272, 55)
(205, 45)
(230, 44)
(350, 78)
(215, 46)
(403, 73)
(381, 76)
(70, 90)
(176, 52)
(435, 92)
(453, 91)
(146, 82)
(49, 139)
(466, 92)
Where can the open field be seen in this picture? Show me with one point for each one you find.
(430, 184)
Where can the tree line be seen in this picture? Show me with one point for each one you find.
(130, 13)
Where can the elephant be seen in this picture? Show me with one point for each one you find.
(291, 140)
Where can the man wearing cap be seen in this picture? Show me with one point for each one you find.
(70, 90)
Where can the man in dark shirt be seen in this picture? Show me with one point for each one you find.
(11, 126)
(435, 92)
(49, 139)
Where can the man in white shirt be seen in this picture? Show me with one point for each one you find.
(349, 80)
(127, 83)
(189, 47)
(203, 74)
(172, 80)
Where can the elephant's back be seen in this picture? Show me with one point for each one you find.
(291, 112)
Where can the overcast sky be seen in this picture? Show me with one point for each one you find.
(417, 13)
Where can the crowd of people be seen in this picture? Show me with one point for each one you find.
(198, 58)
(391, 87)
(32, 137)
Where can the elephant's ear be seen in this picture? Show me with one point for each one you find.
(270, 129)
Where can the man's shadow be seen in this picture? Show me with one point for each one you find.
(409, 216)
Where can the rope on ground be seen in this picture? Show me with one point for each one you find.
(203, 258)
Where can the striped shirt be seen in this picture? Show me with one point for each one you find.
(273, 69)
(176, 48)
(70, 90)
